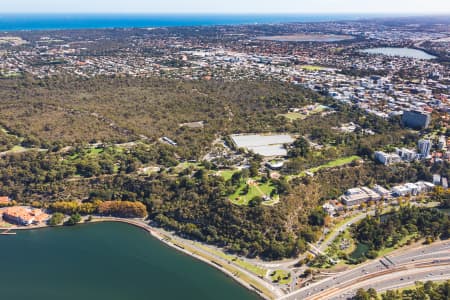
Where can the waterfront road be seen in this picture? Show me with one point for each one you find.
(398, 264)
(395, 281)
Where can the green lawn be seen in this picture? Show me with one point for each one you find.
(183, 166)
(74, 156)
(401, 243)
(335, 163)
(260, 189)
(95, 151)
(312, 68)
(17, 149)
(281, 277)
(292, 116)
(243, 264)
(226, 174)
(87, 152)
(332, 164)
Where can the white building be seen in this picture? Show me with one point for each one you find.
(406, 154)
(436, 179)
(387, 158)
(357, 196)
(442, 142)
(384, 193)
(400, 191)
(424, 186)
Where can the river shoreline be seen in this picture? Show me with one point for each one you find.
(168, 240)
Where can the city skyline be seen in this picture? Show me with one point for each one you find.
(229, 7)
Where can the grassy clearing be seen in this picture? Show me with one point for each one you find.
(401, 243)
(87, 152)
(226, 174)
(18, 149)
(281, 277)
(95, 151)
(292, 116)
(252, 268)
(332, 164)
(230, 258)
(335, 163)
(74, 156)
(312, 68)
(258, 189)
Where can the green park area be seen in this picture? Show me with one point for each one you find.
(226, 174)
(345, 246)
(404, 241)
(312, 68)
(293, 116)
(92, 152)
(252, 188)
(332, 164)
(259, 271)
(281, 277)
(335, 163)
(18, 148)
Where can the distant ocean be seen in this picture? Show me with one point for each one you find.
(12, 22)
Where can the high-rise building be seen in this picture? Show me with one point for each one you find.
(442, 142)
(416, 119)
(425, 147)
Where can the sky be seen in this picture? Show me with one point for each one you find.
(226, 6)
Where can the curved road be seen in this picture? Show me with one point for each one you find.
(396, 280)
(399, 263)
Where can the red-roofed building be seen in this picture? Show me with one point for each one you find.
(4, 200)
(24, 215)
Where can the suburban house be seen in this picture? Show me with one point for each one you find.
(4, 200)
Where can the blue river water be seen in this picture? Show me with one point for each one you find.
(105, 261)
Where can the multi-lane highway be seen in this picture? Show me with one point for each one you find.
(393, 281)
(400, 269)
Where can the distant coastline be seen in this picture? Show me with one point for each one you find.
(20, 22)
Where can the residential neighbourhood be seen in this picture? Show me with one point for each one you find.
(305, 160)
